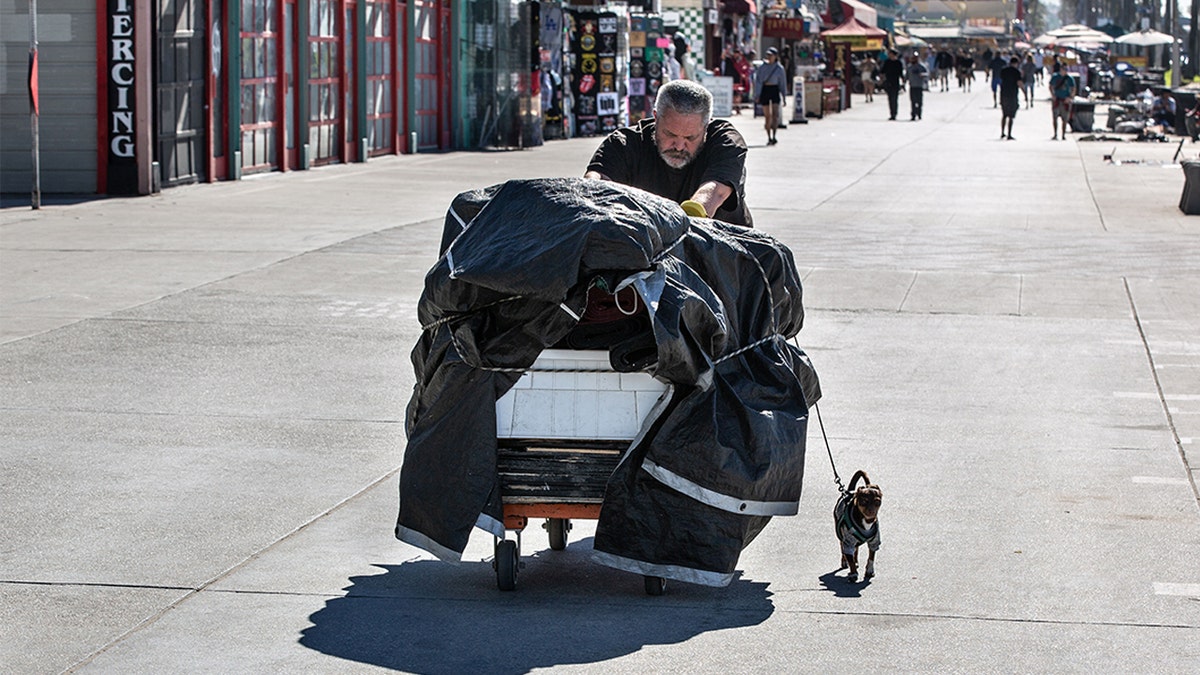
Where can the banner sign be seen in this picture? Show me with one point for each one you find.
(858, 43)
(786, 27)
(120, 119)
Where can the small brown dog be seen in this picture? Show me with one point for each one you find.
(856, 519)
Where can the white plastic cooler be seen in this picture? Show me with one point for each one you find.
(558, 399)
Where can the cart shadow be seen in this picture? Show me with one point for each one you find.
(430, 617)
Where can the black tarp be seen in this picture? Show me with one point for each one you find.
(722, 456)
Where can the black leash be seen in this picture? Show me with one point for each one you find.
(836, 478)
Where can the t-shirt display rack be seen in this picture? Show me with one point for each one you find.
(613, 80)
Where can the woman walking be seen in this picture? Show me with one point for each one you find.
(770, 82)
(867, 68)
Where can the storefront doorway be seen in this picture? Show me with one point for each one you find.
(261, 106)
(382, 133)
(181, 140)
(431, 95)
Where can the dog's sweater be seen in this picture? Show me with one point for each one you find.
(853, 534)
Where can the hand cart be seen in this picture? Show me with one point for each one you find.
(562, 430)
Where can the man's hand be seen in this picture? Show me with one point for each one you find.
(694, 208)
(711, 195)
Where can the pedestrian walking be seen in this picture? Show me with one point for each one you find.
(892, 71)
(867, 70)
(994, 66)
(1010, 96)
(945, 63)
(964, 64)
(918, 82)
(1062, 91)
(1028, 77)
(770, 86)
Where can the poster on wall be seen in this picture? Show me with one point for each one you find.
(645, 64)
(592, 54)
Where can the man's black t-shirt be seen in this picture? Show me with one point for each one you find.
(996, 65)
(630, 156)
(892, 70)
(1010, 81)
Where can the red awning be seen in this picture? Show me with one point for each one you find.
(854, 28)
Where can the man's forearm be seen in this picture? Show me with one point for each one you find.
(712, 195)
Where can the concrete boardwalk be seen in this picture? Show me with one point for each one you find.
(202, 394)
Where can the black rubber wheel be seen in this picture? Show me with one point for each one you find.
(507, 559)
(558, 529)
(655, 585)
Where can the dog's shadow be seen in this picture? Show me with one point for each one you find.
(843, 587)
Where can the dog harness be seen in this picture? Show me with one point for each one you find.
(852, 534)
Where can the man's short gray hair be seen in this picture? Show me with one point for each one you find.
(686, 98)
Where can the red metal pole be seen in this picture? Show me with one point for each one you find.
(35, 196)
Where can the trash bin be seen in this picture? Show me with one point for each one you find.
(1185, 100)
(1189, 202)
(1083, 116)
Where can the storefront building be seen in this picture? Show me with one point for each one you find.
(136, 95)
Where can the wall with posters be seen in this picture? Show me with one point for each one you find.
(646, 54)
(594, 83)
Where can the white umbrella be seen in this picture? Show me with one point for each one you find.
(1072, 29)
(1146, 38)
(1094, 37)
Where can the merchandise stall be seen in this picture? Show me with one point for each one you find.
(842, 41)
(595, 92)
(647, 54)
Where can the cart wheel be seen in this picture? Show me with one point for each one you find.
(558, 529)
(655, 585)
(507, 559)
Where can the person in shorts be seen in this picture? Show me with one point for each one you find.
(867, 70)
(770, 87)
(945, 63)
(1062, 91)
(994, 66)
(1010, 96)
(1028, 78)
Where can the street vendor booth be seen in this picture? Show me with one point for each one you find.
(851, 36)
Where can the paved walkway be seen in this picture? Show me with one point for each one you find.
(202, 392)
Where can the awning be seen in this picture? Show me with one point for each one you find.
(852, 9)
(739, 7)
(935, 32)
(854, 28)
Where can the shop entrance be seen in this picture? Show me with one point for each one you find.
(181, 45)
(431, 96)
(261, 114)
(382, 78)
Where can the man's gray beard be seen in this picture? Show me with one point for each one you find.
(677, 162)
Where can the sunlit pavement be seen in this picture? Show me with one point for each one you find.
(203, 395)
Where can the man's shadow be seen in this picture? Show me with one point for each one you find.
(431, 617)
